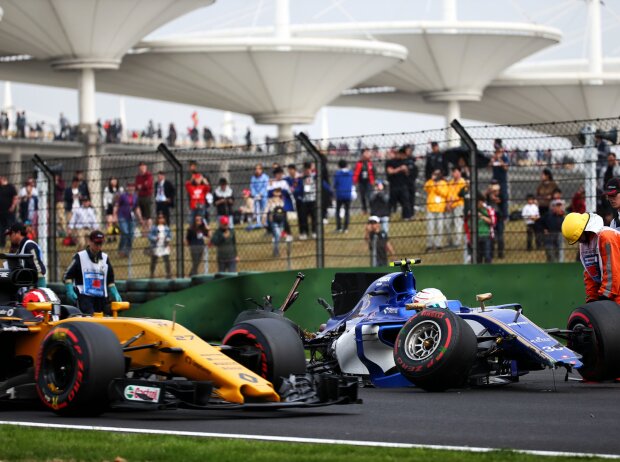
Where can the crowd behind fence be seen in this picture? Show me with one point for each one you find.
(343, 202)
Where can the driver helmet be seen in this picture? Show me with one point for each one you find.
(41, 294)
(429, 296)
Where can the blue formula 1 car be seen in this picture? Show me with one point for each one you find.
(388, 333)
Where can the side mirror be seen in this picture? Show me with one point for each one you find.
(483, 298)
(119, 306)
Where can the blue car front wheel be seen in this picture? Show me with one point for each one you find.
(435, 350)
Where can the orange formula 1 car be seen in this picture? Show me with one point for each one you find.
(82, 365)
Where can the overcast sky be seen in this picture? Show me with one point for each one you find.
(44, 103)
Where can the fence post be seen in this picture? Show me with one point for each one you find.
(179, 206)
(52, 260)
(319, 160)
(473, 186)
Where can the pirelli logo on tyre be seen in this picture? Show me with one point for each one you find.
(141, 393)
(433, 314)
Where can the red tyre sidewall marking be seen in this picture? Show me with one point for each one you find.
(247, 334)
(79, 377)
(581, 316)
(448, 340)
(398, 344)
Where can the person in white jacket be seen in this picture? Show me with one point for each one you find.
(83, 221)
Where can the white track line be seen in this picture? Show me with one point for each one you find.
(292, 439)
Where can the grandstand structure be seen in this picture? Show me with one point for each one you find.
(284, 73)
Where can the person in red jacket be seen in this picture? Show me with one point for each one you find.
(364, 178)
(599, 250)
(197, 188)
(144, 188)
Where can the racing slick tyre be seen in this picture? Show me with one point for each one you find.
(596, 336)
(435, 350)
(75, 366)
(278, 347)
(262, 314)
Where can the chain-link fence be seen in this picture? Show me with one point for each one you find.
(419, 185)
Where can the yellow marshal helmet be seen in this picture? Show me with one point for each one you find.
(575, 224)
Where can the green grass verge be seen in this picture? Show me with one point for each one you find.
(39, 444)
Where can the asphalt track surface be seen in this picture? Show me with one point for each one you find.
(538, 413)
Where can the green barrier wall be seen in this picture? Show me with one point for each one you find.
(548, 293)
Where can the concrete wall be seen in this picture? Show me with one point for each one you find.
(548, 293)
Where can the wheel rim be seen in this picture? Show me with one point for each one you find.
(423, 340)
(58, 368)
(584, 343)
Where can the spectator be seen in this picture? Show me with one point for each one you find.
(65, 127)
(4, 124)
(29, 205)
(193, 135)
(306, 193)
(172, 135)
(436, 199)
(246, 209)
(398, 173)
(8, 206)
(83, 185)
(343, 184)
(380, 205)
(20, 124)
(224, 200)
(150, 129)
(486, 224)
(494, 200)
(530, 214)
(364, 178)
(378, 242)
(277, 220)
(435, 160)
(552, 226)
(59, 197)
(126, 211)
(72, 198)
(159, 239)
(544, 193)
(499, 165)
(259, 183)
(544, 190)
(144, 189)
(83, 221)
(164, 195)
(603, 149)
(110, 196)
(465, 170)
(24, 189)
(197, 188)
(327, 195)
(207, 137)
(411, 177)
(609, 171)
(195, 239)
(455, 208)
(248, 139)
(225, 241)
(578, 201)
(278, 181)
